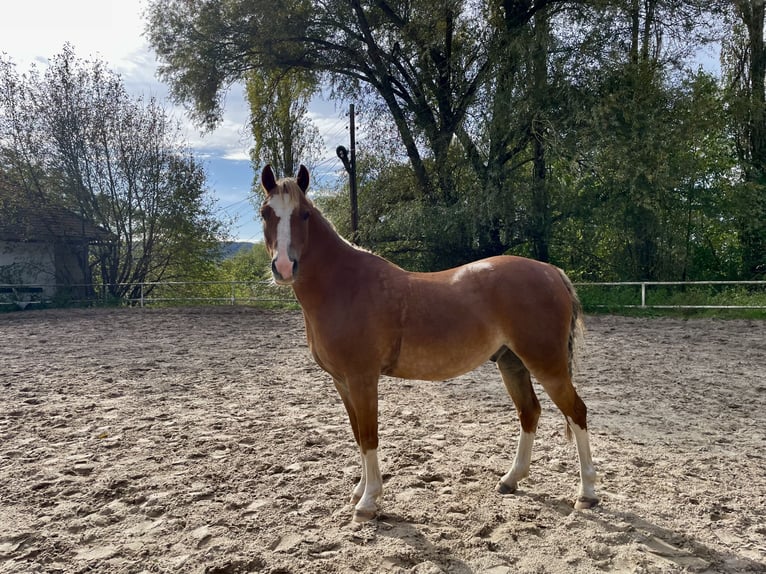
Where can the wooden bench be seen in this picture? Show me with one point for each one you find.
(20, 295)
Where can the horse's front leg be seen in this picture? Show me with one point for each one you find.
(366, 507)
(358, 492)
(360, 397)
(363, 396)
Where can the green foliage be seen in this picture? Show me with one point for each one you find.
(575, 134)
(284, 134)
(608, 298)
(743, 58)
(247, 265)
(650, 193)
(711, 300)
(72, 137)
(415, 231)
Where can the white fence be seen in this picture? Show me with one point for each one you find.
(144, 294)
(265, 292)
(213, 292)
(757, 288)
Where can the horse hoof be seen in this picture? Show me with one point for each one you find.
(503, 488)
(585, 503)
(364, 515)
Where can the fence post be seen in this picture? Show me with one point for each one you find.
(643, 295)
(232, 293)
(142, 295)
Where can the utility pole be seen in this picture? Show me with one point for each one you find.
(350, 164)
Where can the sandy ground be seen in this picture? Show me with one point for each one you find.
(207, 441)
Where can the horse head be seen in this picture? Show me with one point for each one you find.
(285, 214)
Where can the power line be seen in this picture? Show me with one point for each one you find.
(238, 202)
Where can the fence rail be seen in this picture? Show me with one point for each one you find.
(724, 294)
(613, 295)
(148, 293)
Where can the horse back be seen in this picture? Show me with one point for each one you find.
(466, 314)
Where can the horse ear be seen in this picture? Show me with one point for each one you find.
(303, 178)
(268, 182)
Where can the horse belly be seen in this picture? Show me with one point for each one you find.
(425, 371)
(449, 328)
(444, 356)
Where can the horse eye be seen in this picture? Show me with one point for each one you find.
(305, 215)
(265, 212)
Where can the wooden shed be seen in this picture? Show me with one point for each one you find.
(44, 253)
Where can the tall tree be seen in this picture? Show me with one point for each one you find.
(425, 61)
(284, 134)
(631, 133)
(541, 215)
(523, 121)
(74, 137)
(744, 64)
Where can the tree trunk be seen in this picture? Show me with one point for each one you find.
(541, 208)
(753, 224)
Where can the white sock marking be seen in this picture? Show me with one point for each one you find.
(521, 462)
(360, 486)
(587, 470)
(373, 480)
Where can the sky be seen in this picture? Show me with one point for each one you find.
(112, 30)
(33, 31)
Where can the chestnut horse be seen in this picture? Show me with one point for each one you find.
(366, 317)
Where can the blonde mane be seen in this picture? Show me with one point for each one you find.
(289, 186)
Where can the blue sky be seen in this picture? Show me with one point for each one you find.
(36, 30)
(112, 30)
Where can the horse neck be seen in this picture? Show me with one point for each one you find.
(325, 252)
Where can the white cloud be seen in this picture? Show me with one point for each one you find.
(111, 30)
(232, 138)
(34, 31)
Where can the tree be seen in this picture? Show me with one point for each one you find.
(284, 135)
(631, 128)
(652, 192)
(247, 265)
(425, 62)
(561, 130)
(744, 66)
(75, 138)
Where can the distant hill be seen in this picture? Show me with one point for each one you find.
(231, 248)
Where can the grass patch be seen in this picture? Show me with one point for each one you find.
(724, 300)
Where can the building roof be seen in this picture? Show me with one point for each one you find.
(48, 223)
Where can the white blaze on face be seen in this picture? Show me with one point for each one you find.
(283, 209)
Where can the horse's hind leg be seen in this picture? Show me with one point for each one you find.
(519, 385)
(564, 395)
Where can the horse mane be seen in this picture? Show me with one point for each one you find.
(289, 186)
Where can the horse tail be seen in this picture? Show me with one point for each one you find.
(576, 333)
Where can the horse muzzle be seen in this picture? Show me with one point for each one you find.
(284, 270)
